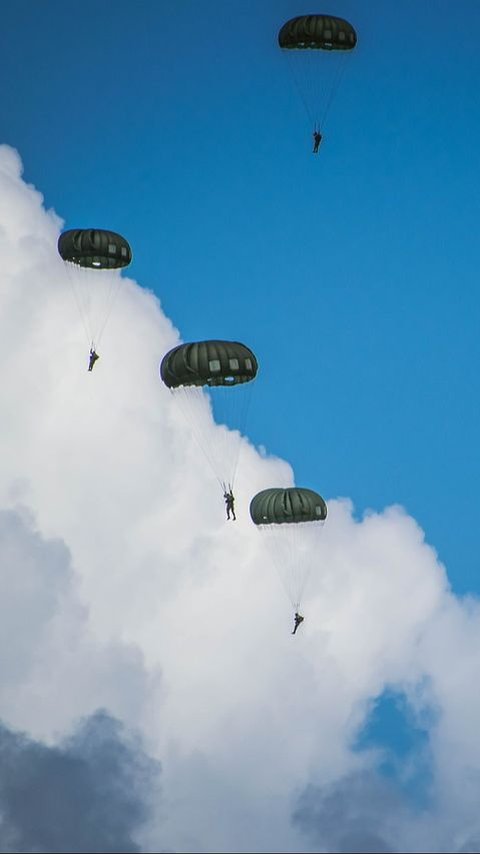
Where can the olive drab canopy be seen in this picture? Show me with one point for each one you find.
(316, 47)
(94, 247)
(93, 257)
(209, 363)
(281, 506)
(212, 381)
(321, 32)
(291, 521)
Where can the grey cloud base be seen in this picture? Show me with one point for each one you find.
(92, 793)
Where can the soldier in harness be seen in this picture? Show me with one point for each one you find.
(93, 358)
(229, 503)
(298, 620)
(317, 138)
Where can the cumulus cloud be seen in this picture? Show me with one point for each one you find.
(123, 588)
(52, 667)
(352, 816)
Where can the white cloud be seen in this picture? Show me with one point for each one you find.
(123, 587)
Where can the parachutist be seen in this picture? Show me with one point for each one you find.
(298, 619)
(317, 46)
(229, 502)
(93, 358)
(317, 138)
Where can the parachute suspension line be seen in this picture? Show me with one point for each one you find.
(107, 310)
(115, 285)
(72, 273)
(196, 410)
(95, 293)
(230, 406)
(244, 397)
(298, 569)
(317, 78)
(305, 101)
(222, 485)
(102, 293)
(293, 550)
(311, 79)
(283, 540)
(308, 560)
(223, 406)
(226, 487)
(315, 81)
(339, 73)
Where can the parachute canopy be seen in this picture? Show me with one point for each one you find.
(211, 363)
(94, 247)
(279, 506)
(317, 32)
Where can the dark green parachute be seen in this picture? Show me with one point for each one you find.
(212, 363)
(279, 506)
(317, 32)
(92, 259)
(291, 522)
(317, 47)
(94, 247)
(213, 380)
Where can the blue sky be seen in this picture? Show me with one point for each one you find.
(352, 275)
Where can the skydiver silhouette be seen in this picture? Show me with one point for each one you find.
(317, 138)
(93, 358)
(298, 619)
(229, 502)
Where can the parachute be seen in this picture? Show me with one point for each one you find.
(93, 257)
(316, 47)
(291, 520)
(213, 379)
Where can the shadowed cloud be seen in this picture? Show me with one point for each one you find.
(90, 793)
